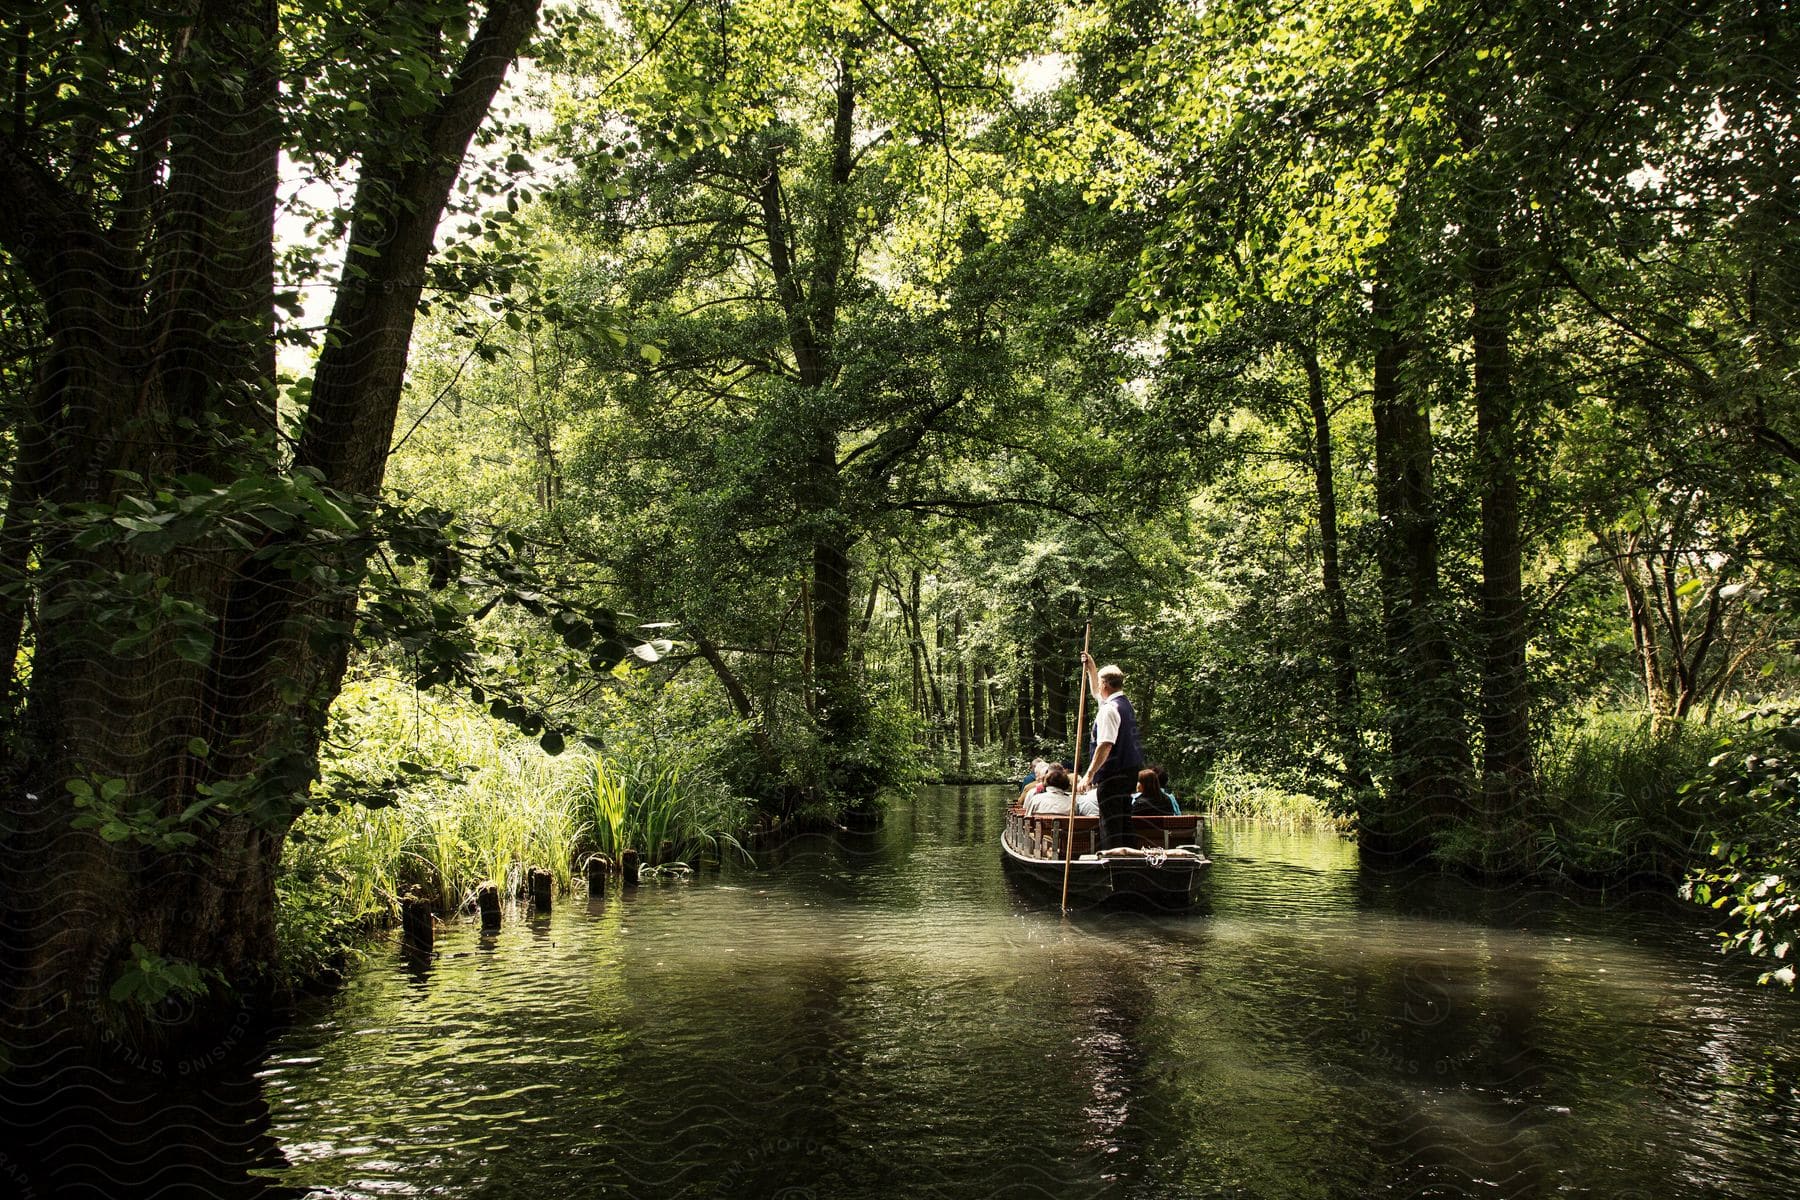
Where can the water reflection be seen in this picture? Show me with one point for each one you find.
(195, 1125)
(881, 1013)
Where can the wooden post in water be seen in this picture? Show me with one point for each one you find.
(596, 873)
(1075, 783)
(665, 853)
(415, 926)
(487, 898)
(540, 890)
(628, 866)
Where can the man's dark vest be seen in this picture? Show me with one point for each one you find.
(1127, 757)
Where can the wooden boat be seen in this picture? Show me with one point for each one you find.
(1163, 869)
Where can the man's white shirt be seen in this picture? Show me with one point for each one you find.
(1106, 722)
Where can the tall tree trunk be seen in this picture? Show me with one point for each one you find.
(131, 380)
(1505, 696)
(830, 600)
(912, 643)
(918, 669)
(1025, 703)
(945, 717)
(979, 720)
(810, 305)
(1428, 745)
(230, 688)
(809, 641)
(1053, 670)
(962, 700)
(1040, 726)
(1337, 609)
(868, 620)
(1624, 553)
(933, 691)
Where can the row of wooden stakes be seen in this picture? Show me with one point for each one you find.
(418, 929)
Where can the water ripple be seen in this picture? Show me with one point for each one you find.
(886, 1014)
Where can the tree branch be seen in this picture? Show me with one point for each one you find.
(399, 200)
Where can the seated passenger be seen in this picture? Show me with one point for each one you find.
(1150, 800)
(1162, 781)
(1054, 798)
(1035, 784)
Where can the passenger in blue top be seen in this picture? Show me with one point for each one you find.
(1162, 781)
(1150, 800)
(1117, 756)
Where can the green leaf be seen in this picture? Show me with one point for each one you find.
(194, 646)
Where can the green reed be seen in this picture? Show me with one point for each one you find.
(1231, 791)
(484, 804)
(652, 809)
(1609, 797)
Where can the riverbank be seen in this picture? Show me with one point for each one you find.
(1407, 1032)
(468, 800)
(423, 796)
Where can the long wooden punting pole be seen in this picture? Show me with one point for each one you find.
(1074, 783)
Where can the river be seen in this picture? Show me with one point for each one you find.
(886, 1014)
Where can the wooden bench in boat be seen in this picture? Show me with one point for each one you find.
(1042, 835)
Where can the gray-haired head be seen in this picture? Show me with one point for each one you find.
(1111, 678)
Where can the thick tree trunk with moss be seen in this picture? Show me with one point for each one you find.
(179, 687)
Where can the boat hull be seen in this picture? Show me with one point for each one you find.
(1031, 848)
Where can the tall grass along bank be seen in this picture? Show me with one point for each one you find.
(481, 803)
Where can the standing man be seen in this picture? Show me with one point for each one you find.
(1117, 756)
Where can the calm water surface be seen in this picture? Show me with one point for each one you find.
(885, 1014)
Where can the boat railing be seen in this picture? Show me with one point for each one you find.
(1041, 835)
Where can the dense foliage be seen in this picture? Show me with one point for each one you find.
(1403, 391)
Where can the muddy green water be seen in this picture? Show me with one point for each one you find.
(886, 1015)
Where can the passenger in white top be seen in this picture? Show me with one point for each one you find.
(1039, 768)
(1054, 799)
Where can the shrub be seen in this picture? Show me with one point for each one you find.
(422, 793)
(1751, 788)
(1231, 791)
(1609, 801)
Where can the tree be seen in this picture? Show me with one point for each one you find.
(1449, 193)
(823, 342)
(190, 546)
